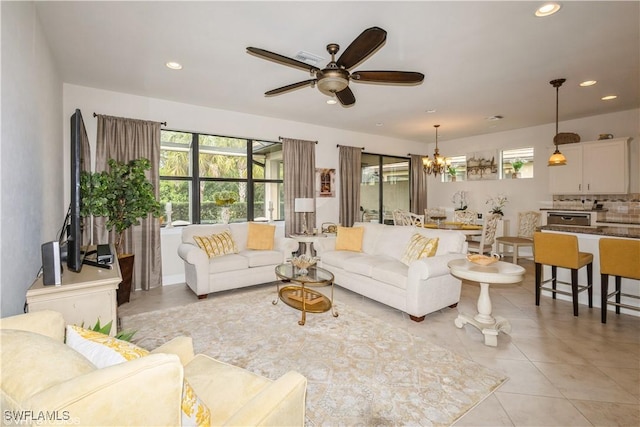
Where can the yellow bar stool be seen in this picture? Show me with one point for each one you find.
(561, 250)
(619, 258)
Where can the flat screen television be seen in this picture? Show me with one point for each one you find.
(80, 162)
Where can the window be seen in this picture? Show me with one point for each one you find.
(517, 163)
(384, 187)
(203, 174)
(457, 169)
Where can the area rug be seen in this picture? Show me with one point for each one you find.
(360, 370)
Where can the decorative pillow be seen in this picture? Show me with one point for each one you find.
(419, 247)
(217, 244)
(194, 411)
(103, 351)
(261, 236)
(349, 239)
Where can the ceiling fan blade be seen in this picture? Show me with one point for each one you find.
(345, 96)
(265, 54)
(364, 45)
(290, 87)
(395, 77)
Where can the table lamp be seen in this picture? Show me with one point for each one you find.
(304, 205)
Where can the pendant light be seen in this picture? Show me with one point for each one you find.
(438, 164)
(557, 158)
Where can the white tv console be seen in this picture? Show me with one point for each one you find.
(82, 298)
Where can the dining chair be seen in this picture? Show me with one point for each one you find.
(402, 217)
(527, 224)
(487, 239)
(561, 250)
(465, 217)
(619, 258)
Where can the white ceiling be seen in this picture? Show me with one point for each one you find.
(480, 59)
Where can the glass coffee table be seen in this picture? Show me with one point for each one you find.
(298, 294)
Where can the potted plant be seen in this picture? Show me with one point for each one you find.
(517, 165)
(451, 170)
(497, 204)
(225, 199)
(123, 195)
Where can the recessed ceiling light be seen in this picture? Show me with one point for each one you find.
(379, 124)
(588, 83)
(494, 118)
(431, 110)
(332, 101)
(547, 9)
(174, 65)
(609, 97)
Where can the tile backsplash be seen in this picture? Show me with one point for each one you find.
(619, 207)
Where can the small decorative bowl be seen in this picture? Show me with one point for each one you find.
(483, 259)
(303, 262)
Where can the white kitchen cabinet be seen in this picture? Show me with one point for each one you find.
(597, 167)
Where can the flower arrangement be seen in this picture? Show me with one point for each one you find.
(459, 200)
(225, 198)
(497, 203)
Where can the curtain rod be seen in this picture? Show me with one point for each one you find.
(162, 123)
(280, 138)
(338, 146)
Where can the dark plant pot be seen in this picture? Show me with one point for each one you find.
(126, 269)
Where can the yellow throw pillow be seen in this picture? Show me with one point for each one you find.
(217, 244)
(103, 351)
(261, 236)
(419, 247)
(349, 239)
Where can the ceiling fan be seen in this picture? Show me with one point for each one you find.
(335, 77)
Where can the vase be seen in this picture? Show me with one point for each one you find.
(225, 215)
(515, 175)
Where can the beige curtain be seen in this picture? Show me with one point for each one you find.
(299, 180)
(418, 185)
(124, 140)
(350, 159)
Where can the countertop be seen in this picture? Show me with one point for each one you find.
(620, 231)
(573, 210)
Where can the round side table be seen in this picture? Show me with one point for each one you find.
(498, 272)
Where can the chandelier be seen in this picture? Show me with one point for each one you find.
(438, 164)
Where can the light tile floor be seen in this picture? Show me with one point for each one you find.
(563, 370)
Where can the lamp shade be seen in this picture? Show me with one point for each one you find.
(303, 205)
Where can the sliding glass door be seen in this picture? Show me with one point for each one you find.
(384, 187)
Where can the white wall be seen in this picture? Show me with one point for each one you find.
(31, 171)
(530, 194)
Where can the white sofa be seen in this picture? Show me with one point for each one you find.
(246, 268)
(421, 288)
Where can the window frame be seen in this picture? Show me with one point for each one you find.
(196, 180)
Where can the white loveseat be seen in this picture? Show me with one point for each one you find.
(247, 267)
(422, 287)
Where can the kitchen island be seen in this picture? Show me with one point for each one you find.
(588, 241)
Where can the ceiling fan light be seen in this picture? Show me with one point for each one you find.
(332, 84)
(332, 101)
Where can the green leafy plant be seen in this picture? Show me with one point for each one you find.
(106, 329)
(451, 170)
(517, 165)
(123, 194)
(225, 198)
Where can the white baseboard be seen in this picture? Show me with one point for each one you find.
(172, 279)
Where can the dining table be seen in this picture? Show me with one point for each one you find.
(467, 229)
